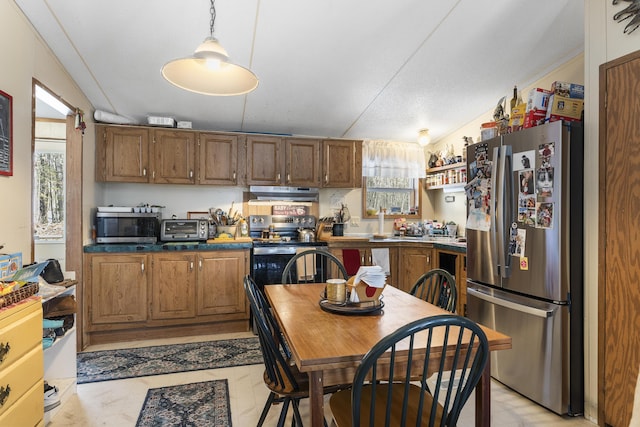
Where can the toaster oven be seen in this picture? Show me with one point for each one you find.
(184, 230)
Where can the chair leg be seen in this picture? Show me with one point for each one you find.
(283, 413)
(297, 419)
(266, 408)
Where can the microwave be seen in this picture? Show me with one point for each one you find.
(127, 227)
(184, 230)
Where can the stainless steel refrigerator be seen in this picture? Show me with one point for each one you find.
(524, 258)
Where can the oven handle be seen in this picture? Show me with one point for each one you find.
(289, 250)
(284, 250)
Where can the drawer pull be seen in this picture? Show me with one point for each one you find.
(4, 349)
(4, 394)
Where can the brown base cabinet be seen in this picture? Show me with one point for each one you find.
(414, 262)
(170, 293)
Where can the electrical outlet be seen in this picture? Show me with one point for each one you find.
(355, 221)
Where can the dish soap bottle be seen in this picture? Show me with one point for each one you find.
(244, 228)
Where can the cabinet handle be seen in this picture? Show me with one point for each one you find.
(234, 175)
(190, 174)
(153, 175)
(370, 260)
(278, 177)
(200, 264)
(288, 178)
(4, 350)
(429, 259)
(144, 171)
(362, 260)
(191, 265)
(326, 179)
(142, 266)
(4, 394)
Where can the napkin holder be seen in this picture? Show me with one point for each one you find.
(365, 292)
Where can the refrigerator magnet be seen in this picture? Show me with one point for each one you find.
(544, 182)
(524, 263)
(524, 160)
(544, 215)
(546, 152)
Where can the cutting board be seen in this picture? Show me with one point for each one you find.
(236, 240)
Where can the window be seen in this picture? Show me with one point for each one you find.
(49, 190)
(399, 196)
(392, 172)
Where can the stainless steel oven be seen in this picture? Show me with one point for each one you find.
(271, 254)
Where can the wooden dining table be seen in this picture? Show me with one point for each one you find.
(329, 346)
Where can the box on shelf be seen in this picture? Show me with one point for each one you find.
(10, 263)
(169, 122)
(184, 125)
(488, 130)
(568, 90)
(562, 108)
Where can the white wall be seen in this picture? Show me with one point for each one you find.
(25, 56)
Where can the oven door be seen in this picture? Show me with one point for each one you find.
(268, 262)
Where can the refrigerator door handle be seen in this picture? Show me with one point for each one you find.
(508, 304)
(500, 223)
(503, 207)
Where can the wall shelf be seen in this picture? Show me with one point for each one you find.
(449, 178)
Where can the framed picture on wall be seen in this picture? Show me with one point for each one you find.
(6, 134)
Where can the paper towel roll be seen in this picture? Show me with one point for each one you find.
(380, 222)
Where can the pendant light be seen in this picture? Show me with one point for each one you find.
(209, 70)
(423, 137)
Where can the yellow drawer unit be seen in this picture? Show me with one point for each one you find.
(21, 364)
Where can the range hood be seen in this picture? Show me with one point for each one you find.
(293, 194)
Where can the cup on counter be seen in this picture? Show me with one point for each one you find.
(336, 291)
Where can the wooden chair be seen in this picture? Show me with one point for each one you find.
(386, 394)
(286, 384)
(437, 287)
(313, 266)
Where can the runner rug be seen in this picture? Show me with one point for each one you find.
(196, 404)
(108, 365)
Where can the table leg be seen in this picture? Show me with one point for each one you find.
(316, 398)
(483, 397)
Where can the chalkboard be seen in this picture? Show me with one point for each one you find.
(6, 134)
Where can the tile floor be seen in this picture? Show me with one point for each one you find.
(118, 403)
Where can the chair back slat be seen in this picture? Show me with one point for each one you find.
(313, 266)
(437, 287)
(276, 367)
(392, 393)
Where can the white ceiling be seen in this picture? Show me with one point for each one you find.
(351, 69)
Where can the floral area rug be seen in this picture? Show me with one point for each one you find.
(108, 365)
(196, 404)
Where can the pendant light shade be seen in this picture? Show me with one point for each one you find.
(209, 71)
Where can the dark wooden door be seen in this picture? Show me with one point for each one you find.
(619, 239)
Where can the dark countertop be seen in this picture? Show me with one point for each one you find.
(163, 247)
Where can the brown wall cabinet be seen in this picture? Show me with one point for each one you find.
(341, 163)
(283, 161)
(182, 156)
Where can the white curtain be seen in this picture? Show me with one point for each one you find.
(393, 159)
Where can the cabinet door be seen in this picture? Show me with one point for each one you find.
(122, 154)
(220, 282)
(218, 159)
(118, 289)
(302, 162)
(173, 289)
(265, 161)
(414, 262)
(174, 157)
(342, 163)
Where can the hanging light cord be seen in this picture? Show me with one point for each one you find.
(213, 17)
